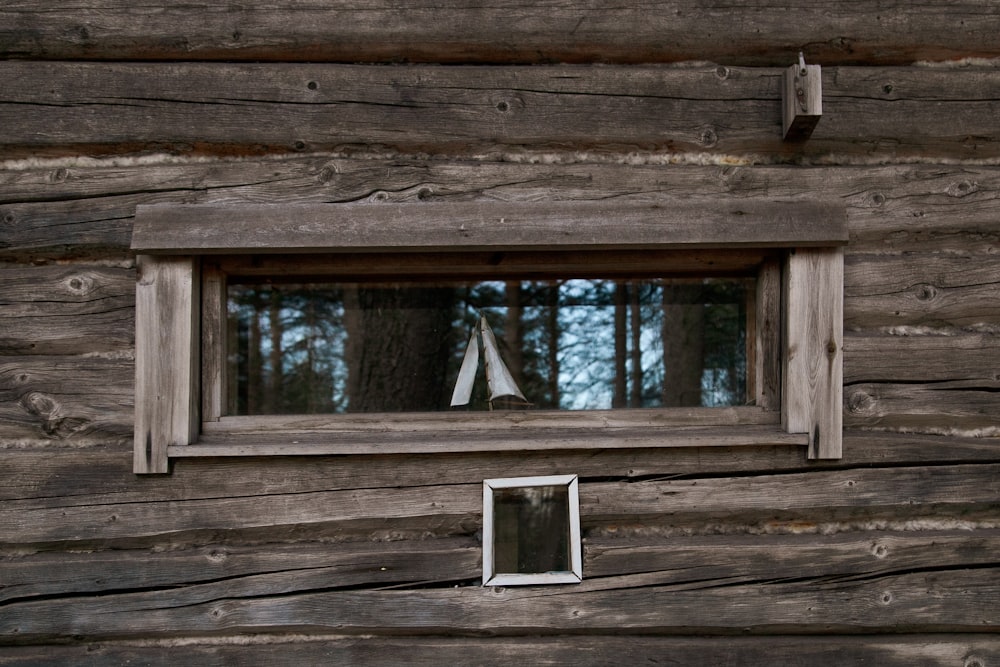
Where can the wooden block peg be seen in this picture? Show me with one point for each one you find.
(802, 100)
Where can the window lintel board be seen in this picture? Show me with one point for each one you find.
(468, 226)
(170, 242)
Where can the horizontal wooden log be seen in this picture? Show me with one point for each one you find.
(245, 571)
(89, 400)
(222, 107)
(79, 309)
(935, 601)
(758, 32)
(971, 410)
(85, 309)
(99, 475)
(557, 651)
(78, 400)
(922, 289)
(74, 209)
(242, 571)
(831, 495)
(967, 358)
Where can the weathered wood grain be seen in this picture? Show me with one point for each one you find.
(78, 209)
(758, 32)
(764, 354)
(936, 601)
(78, 309)
(557, 651)
(104, 475)
(484, 226)
(450, 509)
(87, 400)
(245, 108)
(812, 374)
(492, 438)
(73, 400)
(242, 571)
(65, 211)
(923, 289)
(971, 359)
(970, 409)
(167, 358)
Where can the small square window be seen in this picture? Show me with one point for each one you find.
(531, 531)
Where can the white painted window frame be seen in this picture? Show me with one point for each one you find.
(574, 575)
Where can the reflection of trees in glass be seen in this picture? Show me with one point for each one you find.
(288, 355)
(570, 344)
(398, 344)
(531, 529)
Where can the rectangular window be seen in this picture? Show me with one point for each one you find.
(339, 329)
(554, 344)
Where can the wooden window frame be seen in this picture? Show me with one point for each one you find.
(575, 549)
(184, 254)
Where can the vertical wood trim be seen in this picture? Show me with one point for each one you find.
(766, 368)
(812, 396)
(214, 376)
(167, 359)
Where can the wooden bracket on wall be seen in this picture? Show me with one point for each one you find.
(802, 100)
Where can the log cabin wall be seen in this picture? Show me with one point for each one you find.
(710, 556)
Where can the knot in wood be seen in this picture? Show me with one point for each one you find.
(708, 138)
(80, 285)
(217, 556)
(861, 402)
(327, 174)
(962, 188)
(926, 292)
(506, 102)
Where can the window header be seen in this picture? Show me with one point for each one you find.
(470, 226)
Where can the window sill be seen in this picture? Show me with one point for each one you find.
(298, 435)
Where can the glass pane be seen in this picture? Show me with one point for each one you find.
(531, 530)
(572, 344)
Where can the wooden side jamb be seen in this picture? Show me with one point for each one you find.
(812, 385)
(167, 355)
(214, 343)
(765, 341)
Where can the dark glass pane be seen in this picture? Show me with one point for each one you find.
(570, 344)
(531, 530)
